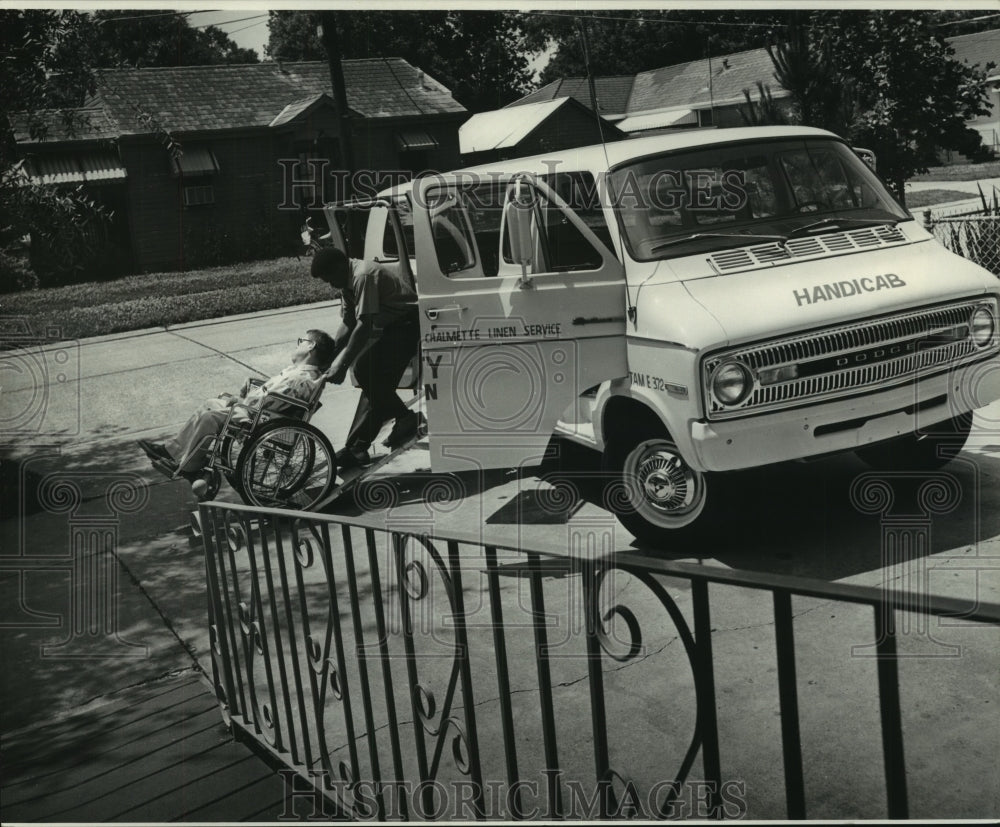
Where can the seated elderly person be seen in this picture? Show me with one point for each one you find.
(187, 454)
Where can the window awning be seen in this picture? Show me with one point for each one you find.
(640, 123)
(195, 161)
(79, 168)
(414, 139)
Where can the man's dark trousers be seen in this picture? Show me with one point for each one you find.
(378, 371)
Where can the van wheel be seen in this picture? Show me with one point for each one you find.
(920, 452)
(654, 492)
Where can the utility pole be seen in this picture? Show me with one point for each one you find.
(330, 38)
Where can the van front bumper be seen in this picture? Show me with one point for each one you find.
(845, 424)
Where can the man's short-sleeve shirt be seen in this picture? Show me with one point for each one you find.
(378, 291)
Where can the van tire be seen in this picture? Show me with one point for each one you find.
(652, 490)
(920, 452)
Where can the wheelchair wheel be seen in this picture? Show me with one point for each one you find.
(287, 464)
(229, 452)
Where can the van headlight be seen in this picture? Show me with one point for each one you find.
(982, 326)
(731, 383)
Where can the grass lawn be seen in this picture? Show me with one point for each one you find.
(159, 299)
(961, 172)
(927, 198)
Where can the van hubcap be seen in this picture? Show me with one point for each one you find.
(666, 481)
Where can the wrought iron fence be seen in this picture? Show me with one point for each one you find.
(976, 237)
(397, 675)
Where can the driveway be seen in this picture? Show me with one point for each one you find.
(73, 411)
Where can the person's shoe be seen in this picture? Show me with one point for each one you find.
(349, 457)
(406, 427)
(155, 451)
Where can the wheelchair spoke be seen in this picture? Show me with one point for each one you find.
(288, 464)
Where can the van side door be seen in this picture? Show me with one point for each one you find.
(522, 309)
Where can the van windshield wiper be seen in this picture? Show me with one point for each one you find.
(740, 236)
(832, 223)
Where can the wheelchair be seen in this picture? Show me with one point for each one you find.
(273, 457)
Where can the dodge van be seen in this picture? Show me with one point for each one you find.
(687, 304)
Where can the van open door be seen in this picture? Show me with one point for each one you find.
(522, 309)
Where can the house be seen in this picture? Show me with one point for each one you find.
(531, 129)
(980, 49)
(700, 93)
(710, 92)
(204, 163)
(612, 94)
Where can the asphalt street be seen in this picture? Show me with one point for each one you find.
(74, 410)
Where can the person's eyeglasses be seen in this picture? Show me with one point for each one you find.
(305, 340)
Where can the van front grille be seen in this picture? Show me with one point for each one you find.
(846, 359)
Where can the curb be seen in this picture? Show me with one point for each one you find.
(151, 331)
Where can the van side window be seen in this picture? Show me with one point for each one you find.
(579, 190)
(453, 240)
(389, 249)
(485, 206)
(564, 247)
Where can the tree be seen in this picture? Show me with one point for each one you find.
(479, 56)
(45, 70)
(820, 96)
(624, 42)
(155, 38)
(765, 111)
(909, 98)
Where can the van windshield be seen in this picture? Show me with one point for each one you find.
(741, 194)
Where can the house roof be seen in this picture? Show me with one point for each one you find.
(720, 79)
(85, 124)
(978, 48)
(612, 92)
(504, 127)
(203, 98)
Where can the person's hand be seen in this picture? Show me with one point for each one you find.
(336, 374)
(245, 388)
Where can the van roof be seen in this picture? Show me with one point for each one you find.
(598, 156)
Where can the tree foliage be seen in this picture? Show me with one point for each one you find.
(765, 111)
(885, 80)
(45, 68)
(479, 56)
(155, 38)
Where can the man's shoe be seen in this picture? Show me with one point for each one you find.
(406, 427)
(348, 458)
(155, 451)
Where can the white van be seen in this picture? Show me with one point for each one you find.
(688, 304)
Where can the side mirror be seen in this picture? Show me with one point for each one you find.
(867, 156)
(518, 217)
(336, 235)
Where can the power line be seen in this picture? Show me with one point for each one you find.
(967, 20)
(228, 22)
(399, 83)
(104, 20)
(219, 25)
(244, 28)
(659, 20)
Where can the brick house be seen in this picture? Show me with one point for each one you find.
(259, 149)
